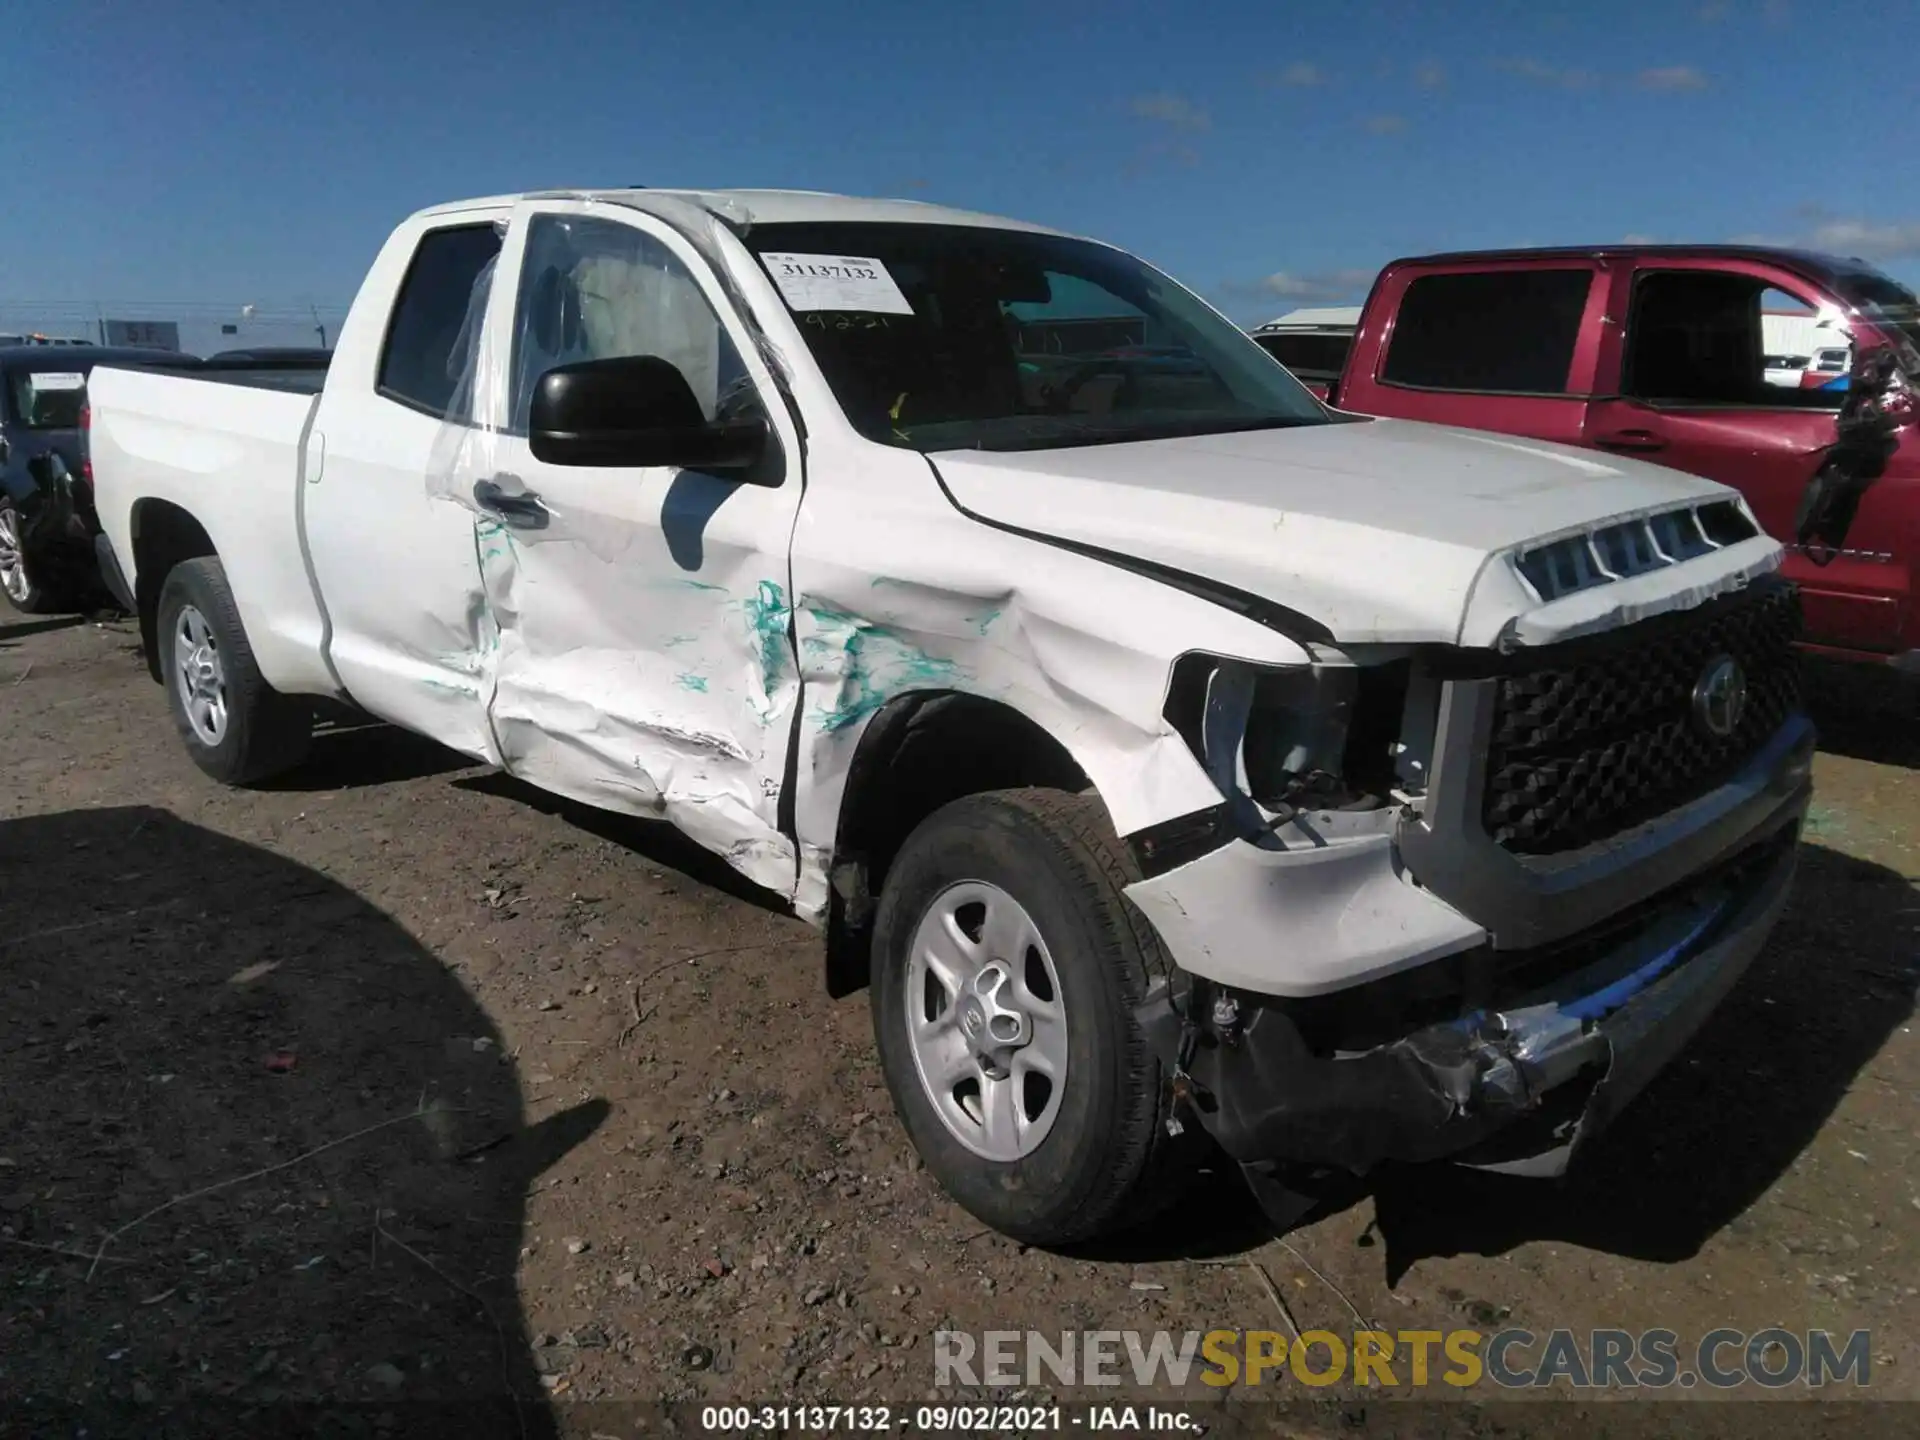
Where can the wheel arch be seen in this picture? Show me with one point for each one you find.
(164, 534)
(920, 751)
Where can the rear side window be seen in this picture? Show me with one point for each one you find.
(1510, 331)
(47, 399)
(429, 349)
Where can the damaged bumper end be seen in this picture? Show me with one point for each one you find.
(1570, 1036)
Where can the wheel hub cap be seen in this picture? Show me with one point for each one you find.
(202, 675)
(986, 1022)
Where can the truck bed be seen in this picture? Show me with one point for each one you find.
(224, 443)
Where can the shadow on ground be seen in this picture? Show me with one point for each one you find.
(655, 840)
(190, 1016)
(15, 630)
(1865, 712)
(1720, 1126)
(350, 752)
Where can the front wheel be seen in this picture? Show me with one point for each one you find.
(237, 728)
(1007, 968)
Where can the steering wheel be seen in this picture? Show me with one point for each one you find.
(1057, 397)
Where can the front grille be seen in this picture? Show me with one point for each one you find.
(1604, 737)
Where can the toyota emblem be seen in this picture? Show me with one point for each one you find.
(1720, 697)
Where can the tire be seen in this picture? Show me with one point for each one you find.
(1104, 1160)
(26, 594)
(237, 728)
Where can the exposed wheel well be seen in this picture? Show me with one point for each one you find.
(163, 536)
(921, 752)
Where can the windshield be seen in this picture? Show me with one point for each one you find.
(1888, 304)
(49, 399)
(948, 337)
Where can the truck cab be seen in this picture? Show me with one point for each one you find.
(1662, 353)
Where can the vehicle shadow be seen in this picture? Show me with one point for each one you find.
(258, 1148)
(1865, 713)
(351, 751)
(654, 840)
(21, 629)
(1752, 1091)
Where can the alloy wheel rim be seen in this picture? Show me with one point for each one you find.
(13, 562)
(202, 675)
(986, 1021)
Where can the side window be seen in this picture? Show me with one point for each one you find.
(1713, 338)
(1788, 337)
(592, 289)
(1507, 331)
(429, 352)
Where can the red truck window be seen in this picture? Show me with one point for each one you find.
(1700, 337)
(1505, 331)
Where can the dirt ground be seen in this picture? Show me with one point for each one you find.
(401, 1082)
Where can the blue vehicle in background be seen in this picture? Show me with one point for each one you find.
(47, 521)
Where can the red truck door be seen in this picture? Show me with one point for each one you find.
(1496, 345)
(1682, 355)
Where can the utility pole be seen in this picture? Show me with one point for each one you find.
(318, 327)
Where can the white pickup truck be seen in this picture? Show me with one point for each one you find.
(1176, 756)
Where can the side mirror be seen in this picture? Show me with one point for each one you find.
(634, 410)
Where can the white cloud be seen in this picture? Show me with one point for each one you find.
(1671, 78)
(1541, 73)
(1713, 12)
(1430, 75)
(1870, 240)
(1325, 285)
(1175, 111)
(1635, 238)
(1301, 75)
(1385, 124)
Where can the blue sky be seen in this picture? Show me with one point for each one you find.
(199, 155)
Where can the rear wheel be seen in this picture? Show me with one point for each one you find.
(237, 728)
(1007, 966)
(17, 581)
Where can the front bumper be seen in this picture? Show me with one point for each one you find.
(1516, 1086)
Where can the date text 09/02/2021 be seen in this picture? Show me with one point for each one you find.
(944, 1419)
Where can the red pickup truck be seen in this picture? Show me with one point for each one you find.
(1660, 352)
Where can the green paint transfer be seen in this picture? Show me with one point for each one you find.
(879, 664)
(767, 623)
(690, 681)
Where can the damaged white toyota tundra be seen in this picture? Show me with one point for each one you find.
(1176, 757)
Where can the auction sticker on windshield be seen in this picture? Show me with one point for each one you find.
(836, 282)
(58, 380)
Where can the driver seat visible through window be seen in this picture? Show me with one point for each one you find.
(1698, 336)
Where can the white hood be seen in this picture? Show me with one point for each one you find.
(1382, 531)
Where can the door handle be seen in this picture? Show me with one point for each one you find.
(519, 509)
(1635, 440)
